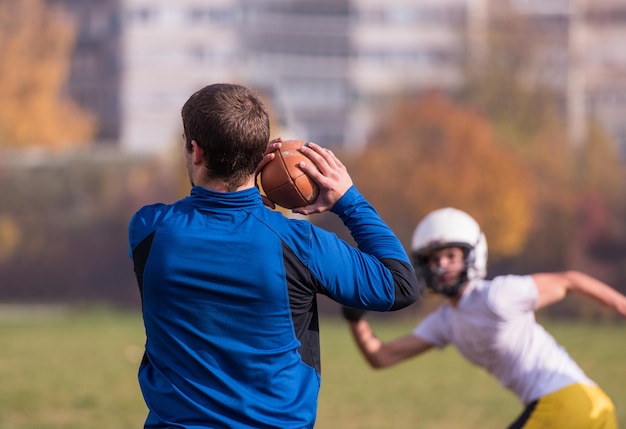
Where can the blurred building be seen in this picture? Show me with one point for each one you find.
(601, 61)
(95, 68)
(580, 51)
(298, 53)
(171, 49)
(325, 66)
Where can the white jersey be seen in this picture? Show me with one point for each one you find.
(493, 326)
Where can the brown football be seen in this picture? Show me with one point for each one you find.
(284, 182)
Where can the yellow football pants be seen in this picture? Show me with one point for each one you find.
(574, 407)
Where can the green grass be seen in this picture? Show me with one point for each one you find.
(72, 370)
(78, 369)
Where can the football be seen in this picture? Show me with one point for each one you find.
(284, 182)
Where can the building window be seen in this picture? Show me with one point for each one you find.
(207, 15)
(142, 15)
(199, 15)
(412, 14)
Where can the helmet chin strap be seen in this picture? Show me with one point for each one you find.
(449, 291)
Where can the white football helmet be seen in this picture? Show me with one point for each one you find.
(445, 228)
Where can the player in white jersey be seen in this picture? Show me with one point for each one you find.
(492, 324)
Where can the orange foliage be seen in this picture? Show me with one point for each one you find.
(35, 48)
(433, 153)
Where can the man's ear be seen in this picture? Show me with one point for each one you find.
(197, 153)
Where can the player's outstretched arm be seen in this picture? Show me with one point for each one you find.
(378, 353)
(553, 287)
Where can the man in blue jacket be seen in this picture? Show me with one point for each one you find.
(229, 286)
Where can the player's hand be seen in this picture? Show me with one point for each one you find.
(272, 146)
(352, 314)
(331, 176)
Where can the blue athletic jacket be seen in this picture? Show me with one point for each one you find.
(228, 292)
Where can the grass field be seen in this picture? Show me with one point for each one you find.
(76, 369)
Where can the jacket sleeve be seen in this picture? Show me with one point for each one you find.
(381, 262)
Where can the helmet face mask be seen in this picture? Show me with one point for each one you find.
(428, 274)
(446, 228)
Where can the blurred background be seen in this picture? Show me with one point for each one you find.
(510, 110)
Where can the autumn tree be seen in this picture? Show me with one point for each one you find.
(432, 152)
(36, 42)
